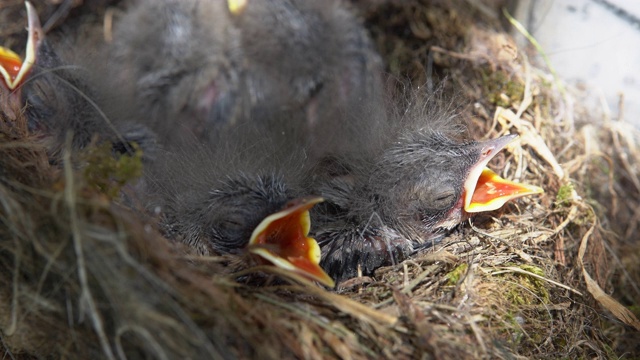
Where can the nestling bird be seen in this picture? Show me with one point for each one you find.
(317, 47)
(381, 204)
(421, 187)
(59, 98)
(254, 129)
(384, 206)
(13, 69)
(241, 195)
(184, 67)
(195, 66)
(392, 181)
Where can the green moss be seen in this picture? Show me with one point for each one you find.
(522, 289)
(538, 286)
(514, 329)
(454, 275)
(500, 90)
(564, 194)
(635, 309)
(107, 172)
(514, 295)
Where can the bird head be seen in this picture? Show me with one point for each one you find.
(56, 96)
(220, 219)
(258, 214)
(429, 181)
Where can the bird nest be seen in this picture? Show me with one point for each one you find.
(548, 276)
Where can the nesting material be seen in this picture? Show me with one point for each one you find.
(554, 275)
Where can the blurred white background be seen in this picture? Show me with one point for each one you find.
(596, 42)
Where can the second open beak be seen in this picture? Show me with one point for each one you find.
(282, 239)
(12, 69)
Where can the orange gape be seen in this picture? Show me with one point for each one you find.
(281, 239)
(12, 68)
(11, 63)
(492, 191)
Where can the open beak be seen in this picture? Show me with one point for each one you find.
(485, 190)
(281, 238)
(14, 70)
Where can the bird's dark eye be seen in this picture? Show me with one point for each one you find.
(443, 199)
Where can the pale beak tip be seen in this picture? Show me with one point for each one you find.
(236, 7)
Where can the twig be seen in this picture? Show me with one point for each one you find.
(524, 272)
(348, 306)
(69, 195)
(622, 313)
(144, 333)
(535, 44)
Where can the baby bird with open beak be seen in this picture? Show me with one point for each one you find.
(422, 181)
(392, 185)
(241, 196)
(380, 205)
(59, 98)
(197, 70)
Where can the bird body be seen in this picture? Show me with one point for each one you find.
(196, 66)
(411, 174)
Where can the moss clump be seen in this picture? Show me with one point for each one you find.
(522, 289)
(107, 172)
(500, 89)
(564, 196)
(454, 275)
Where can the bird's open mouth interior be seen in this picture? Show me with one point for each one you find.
(12, 68)
(487, 191)
(492, 191)
(281, 239)
(10, 64)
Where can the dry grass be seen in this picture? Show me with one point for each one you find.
(84, 277)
